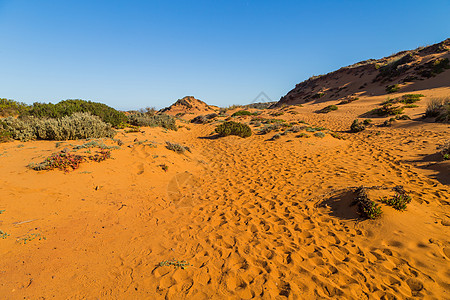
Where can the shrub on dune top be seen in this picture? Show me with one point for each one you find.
(68, 107)
(233, 128)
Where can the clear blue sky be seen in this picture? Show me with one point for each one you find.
(133, 54)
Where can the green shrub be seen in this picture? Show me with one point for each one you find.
(367, 122)
(317, 95)
(398, 201)
(319, 134)
(233, 128)
(68, 107)
(314, 129)
(410, 98)
(327, 109)
(270, 127)
(177, 147)
(357, 126)
(275, 137)
(367, 208)
(388, 109)
(243, 113)
(392, 88)
(151, 120)
(439, 108)
(445, 150)
(76, 126)
(11, 107)
(302, 135)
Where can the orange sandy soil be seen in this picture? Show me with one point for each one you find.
(254, 218)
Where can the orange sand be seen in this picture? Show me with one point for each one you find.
(254, 218)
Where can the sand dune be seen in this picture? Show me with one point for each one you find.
(253, 218)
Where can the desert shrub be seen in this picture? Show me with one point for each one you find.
(5, 136)
(367, 208)
(177, 147)
(388, 109)
(357, 126)
(296, 128)
(389, 122)
(348, 100)
(337, 135)
(402, 117)
(11, 107)
(242, 113)
(395, 68)
(410, 106)
(270, 127)
(439, 108)
(367, 122)
(314, 129)
(435, 67)
(68, 107)
(445, 149)
(101, 155)
(392, 88)
(327, 109)
(277, 113)
(302, 135)
(76, 126)
(233, 128)
(410, 98)
(319, 134)
(149, 120)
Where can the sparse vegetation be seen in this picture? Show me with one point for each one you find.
(203, 119)
(61, 160)
(398, 201)
(152, 120)
(175, 263)
(177, 147)
(357, 126)
(392, 88)
(439, 108)
(319, 134)
(243, 113)
(367, 208)
(327, 109)
(445, 150)
(348, 100)
(233, 128)
(12, 108)
(434, 67)
(318, 95)
(275, 137)
(388, 109)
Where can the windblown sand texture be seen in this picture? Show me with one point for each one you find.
(253, 218)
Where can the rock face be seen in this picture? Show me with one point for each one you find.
(425, 67)
(188, 104)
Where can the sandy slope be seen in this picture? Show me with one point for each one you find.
(254, 218)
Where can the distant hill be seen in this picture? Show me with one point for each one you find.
(422, 68)
(188, 104)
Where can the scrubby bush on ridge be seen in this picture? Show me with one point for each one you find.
(233, 128)
(152, 120)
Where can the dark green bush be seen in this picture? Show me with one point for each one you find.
(388, 109)
(367, 208)
(68, 107)
(233, 128)
(150, 120)
(398, 201)
(76, 126)
(327, 109)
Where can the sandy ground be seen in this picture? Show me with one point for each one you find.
(253, 218)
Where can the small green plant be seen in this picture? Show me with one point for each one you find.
(62, 160)
(30, 237)
(314, 129)
(175, 263)
(327, 109)
(336, 135)
(392, 88)
(275, 137)
(101, 155)
(367, 122)
(164, 167)
(317, 95)
(445, 150)
(277, 113)
(357, 126)
(233, 128)
(177, 147)
(398, 201)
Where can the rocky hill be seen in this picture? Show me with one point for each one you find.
(422, 68)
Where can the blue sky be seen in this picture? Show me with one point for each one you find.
(134, 54)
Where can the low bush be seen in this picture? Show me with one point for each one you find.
(357, 126)
(317, 95)
(177, 147)
(243, 113)
(68, 107)
(388, 109)
(203, 119)
(392, 88)
(319, 134)
(233, 128)
(63, 161)
(327, 109)
(302, 135)
(445, 150)
(440, 109)
(73, 127)
(399, 201)
(348, 100)
(269, 128)
(367, 208)
(152, 120)
(275, 137)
